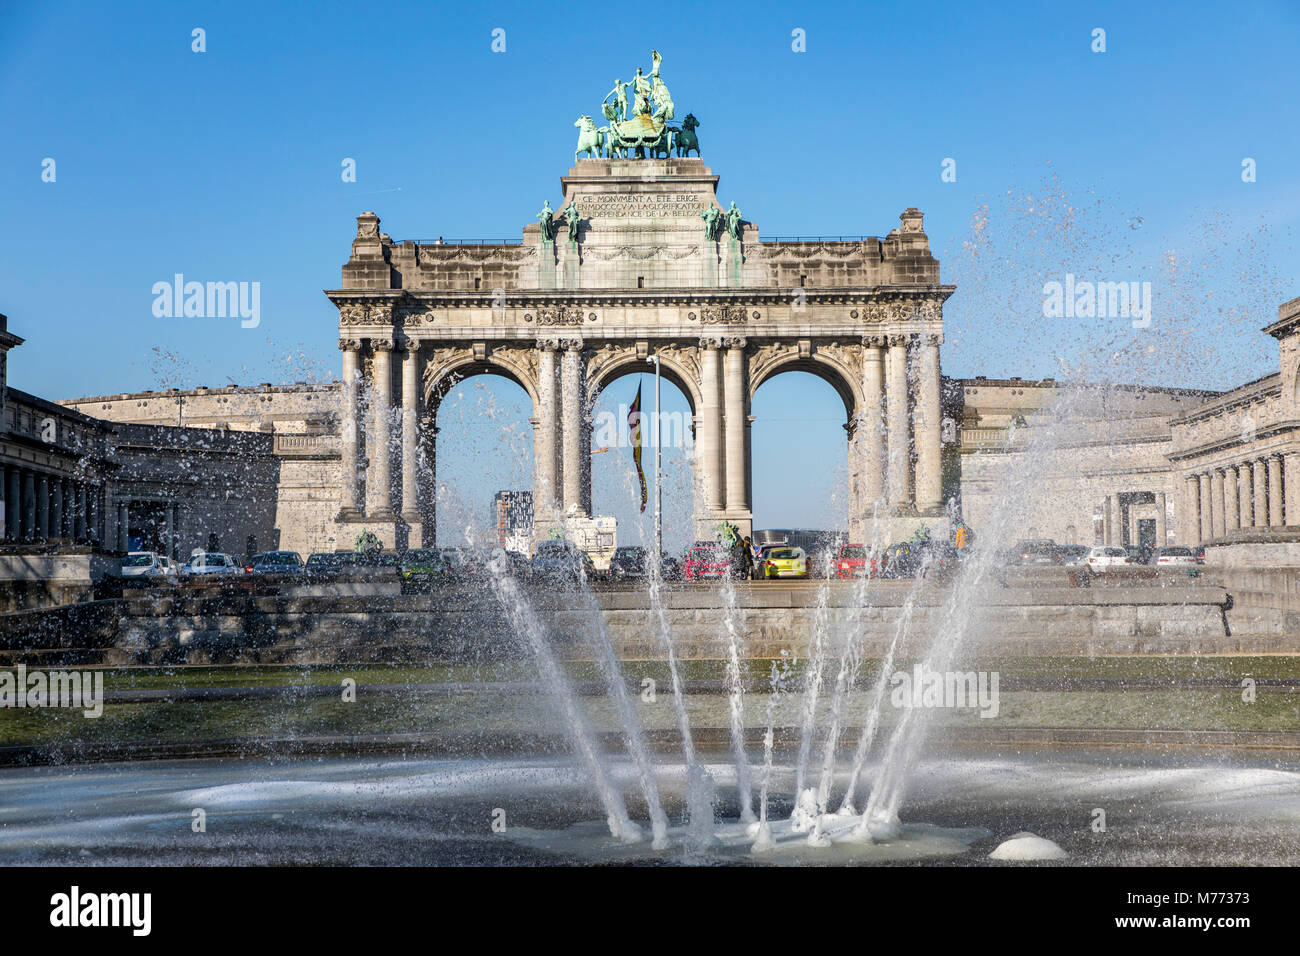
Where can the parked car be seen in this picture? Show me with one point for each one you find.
(628, 563)
(422, 566)
(855, 561)
(1177, 557)
(561, 561)
(671, 569)
(142, 564)
(911, 558)
(520, 565)
(323, 565)
(1102, 559)
(210, 564)
(1038, 551)
(786, 563)
(706, 559)
(275, 562)
(1073, 555)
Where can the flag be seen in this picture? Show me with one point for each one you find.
(634, 430)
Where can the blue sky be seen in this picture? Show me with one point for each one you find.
(225, 165)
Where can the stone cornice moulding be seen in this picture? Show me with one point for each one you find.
(905, 300)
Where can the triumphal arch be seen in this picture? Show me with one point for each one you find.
(641, 258)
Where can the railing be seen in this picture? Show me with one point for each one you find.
(820, 238)
(465, 242)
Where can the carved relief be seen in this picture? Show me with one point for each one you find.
(723, 315)
(564, 315)
(600, 359)
(365, 313)
(685, 357)
(523, 361)
(765, 356)
(847, 356)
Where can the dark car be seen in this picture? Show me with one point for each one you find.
(629, 562)
(911, 558)
(423, 566)
(1039, 551)
(276, 562)
(671, 569)
(560, 561)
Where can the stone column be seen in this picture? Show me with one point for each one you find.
(897, 437)
(708, 458)
(78, 511)
(92, 513)
(29, 506)
(929, 472)
(1216, 502)
(571, 381)
(1108, 521)
(1242, 473)
(1291, 481)
(123, 525)
(1206, 509)
(349, 429)
(1192, 515)
(379, 499)
(546, 439)
(13, 506)
(42, 508)
(1162, 530)
(734, 427)
(410, 432)
(1230, 506)
(1261, 494)
(871, 427)
(56, 508)
(1274, 465)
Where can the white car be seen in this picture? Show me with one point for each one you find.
(207, 563)
(139, 564)
(1177, 557)
(1106, 558)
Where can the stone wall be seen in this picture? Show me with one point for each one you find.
(301, 627)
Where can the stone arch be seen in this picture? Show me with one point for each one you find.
(444, 372)
(629, 362)
(836, 368)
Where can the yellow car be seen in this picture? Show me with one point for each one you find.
(786, 563)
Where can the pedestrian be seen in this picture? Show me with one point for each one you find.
(749, 557)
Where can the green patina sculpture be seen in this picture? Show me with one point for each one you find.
(712, 222)
(573, 218)
(733, 222)
(547, 219)
(646, 132)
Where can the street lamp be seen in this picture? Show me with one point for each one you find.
(659, 527)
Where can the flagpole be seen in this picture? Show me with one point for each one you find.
(659, 528)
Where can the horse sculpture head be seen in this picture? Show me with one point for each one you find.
(690, 122)
(584, 122)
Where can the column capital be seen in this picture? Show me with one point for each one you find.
(934, 339)
(734, 342)
(349, 345)
(571, 345)
(711, 342)
(548, 345)
(875, 342)
(898, 338)
(412, 346)
(381, 345)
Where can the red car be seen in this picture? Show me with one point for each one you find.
(855, 561)
(706, 561)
